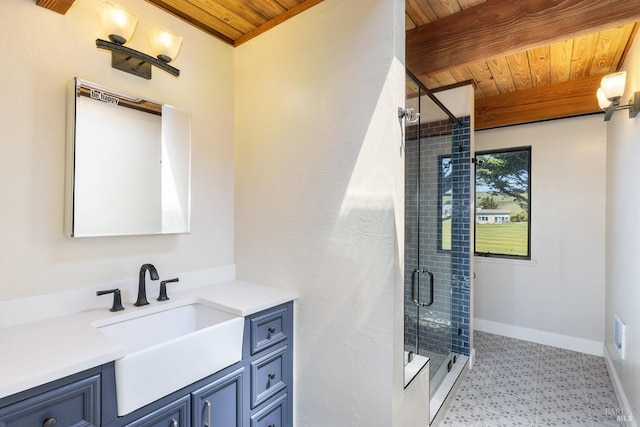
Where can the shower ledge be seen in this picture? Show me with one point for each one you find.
(413, 368)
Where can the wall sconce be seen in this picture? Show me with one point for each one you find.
(609, 94)
(120, 23)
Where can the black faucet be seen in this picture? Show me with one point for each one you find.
(142, 288)
(163, 289)
(117, 299)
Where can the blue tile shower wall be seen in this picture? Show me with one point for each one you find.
(460, 236)
(436, 332)
(421, 242)
(421, 250)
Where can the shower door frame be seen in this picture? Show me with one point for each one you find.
(421, 268)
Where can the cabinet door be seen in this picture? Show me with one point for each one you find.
(220, 403)
(76, 404)
(176, 414)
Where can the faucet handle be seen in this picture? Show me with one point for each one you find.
(117, 299)
(163, 289)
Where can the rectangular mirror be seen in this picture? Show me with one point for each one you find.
(128, 164)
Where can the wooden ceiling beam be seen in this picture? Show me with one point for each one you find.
(503, 27)
(565, 99)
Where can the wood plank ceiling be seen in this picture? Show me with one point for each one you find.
(232, 21)
(235, 21)
(528, 60)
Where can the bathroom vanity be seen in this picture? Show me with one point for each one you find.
(253, 392)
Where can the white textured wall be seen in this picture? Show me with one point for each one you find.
(561, 291)
(41, 52)
(623, 236)
(319, 200)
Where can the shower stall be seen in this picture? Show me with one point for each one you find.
(437, 233)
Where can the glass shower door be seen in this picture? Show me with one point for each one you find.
(428, 216)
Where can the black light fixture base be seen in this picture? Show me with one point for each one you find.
(134, 62)
(131, 65)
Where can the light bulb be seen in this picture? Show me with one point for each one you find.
(164, 44)
(117, 22)
(603, 102)
(613, 85)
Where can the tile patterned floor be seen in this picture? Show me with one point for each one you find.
(520, 383)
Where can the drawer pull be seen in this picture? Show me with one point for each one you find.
(174, 423)
(50, 422)
(272, 376)
(272, 331)
(207, 405)
(271, 425)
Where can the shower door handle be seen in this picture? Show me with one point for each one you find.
(431, 280)
(416, 295)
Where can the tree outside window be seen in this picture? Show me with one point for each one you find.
(445, 207)
(502, 226)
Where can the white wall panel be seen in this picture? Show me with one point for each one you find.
(318, 199)
(623, 239)
(42, 51)
(561, 290)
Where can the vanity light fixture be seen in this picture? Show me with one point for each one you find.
(609, 94)
(119, 24)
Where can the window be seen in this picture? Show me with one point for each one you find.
(445, 193)
(502, 225)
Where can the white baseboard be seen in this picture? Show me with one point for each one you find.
(623, 402)
(541, 337)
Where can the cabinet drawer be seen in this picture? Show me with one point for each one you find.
(269, 329)
(176, 414)
(273, 415)
(268, 376)
(76, 404)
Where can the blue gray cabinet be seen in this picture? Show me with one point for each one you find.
(268, 376)
(268, 352)
(220, 403)
(255, 392)
(175, 414)
(275, 414)
(215, 401)
(269, 328)
(72, 401)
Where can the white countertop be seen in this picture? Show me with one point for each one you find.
(35, 353)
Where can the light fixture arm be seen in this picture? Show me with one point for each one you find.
(608, 112)
(633, 106)
(124, 58)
